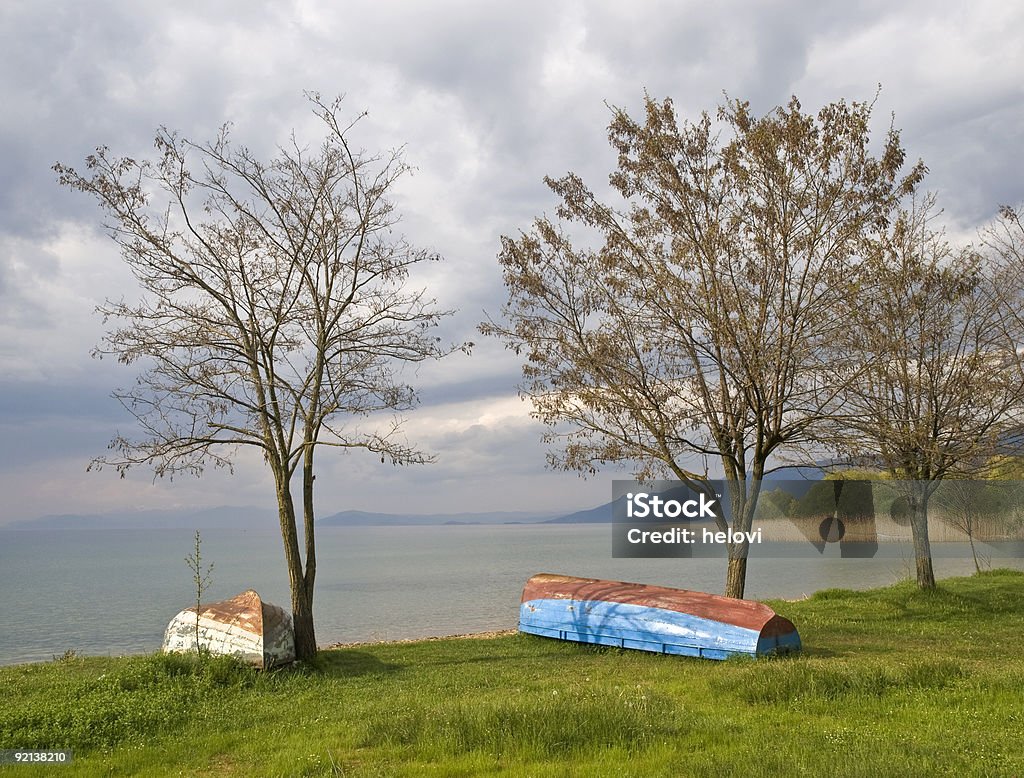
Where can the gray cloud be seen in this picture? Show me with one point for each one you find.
(487, 100)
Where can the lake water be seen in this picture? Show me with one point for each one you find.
(113, 591)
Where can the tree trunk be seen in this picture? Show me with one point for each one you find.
(302, 604)
(922, 547)
(743, 505)
(736, 577)
(974, 553)
(302, 623)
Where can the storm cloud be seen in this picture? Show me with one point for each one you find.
(486, 100)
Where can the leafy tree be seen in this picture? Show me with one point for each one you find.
(936, 392)
(275, 312)
(695, 325)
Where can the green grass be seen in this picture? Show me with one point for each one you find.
(892, 682)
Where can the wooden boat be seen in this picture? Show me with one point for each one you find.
(256, 631)
(652, 618)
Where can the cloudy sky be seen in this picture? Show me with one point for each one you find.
(487, 98)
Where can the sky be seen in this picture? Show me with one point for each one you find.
(486, 99)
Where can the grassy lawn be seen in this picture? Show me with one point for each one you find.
(891, 682)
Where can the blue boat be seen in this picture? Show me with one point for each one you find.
(652, 618)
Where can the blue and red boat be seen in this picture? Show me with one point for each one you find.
(652, 618)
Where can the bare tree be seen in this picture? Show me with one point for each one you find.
(697, 328)
(988, 509)
(936, 392)
(275, 312)
(1003, 241)
(1005, 237)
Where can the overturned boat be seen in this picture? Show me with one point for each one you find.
(652, 618)
(255, 631)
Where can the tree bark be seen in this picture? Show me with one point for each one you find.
(736, 577)
(743, 505)
(922, 546)
(302, 605)
(309, 576)
(302, 623)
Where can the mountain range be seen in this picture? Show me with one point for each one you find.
(249, 517)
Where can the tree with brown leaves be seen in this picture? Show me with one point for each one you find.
(695, 324)
(937, 393)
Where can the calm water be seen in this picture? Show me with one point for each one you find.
(113, 591)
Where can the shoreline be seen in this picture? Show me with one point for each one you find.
(20, 657)
(494, 633)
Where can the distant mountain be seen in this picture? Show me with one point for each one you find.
(248, 517)
(237, 517)
(602, 514)
(799, 473)
(368, 519)
(223, 517)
